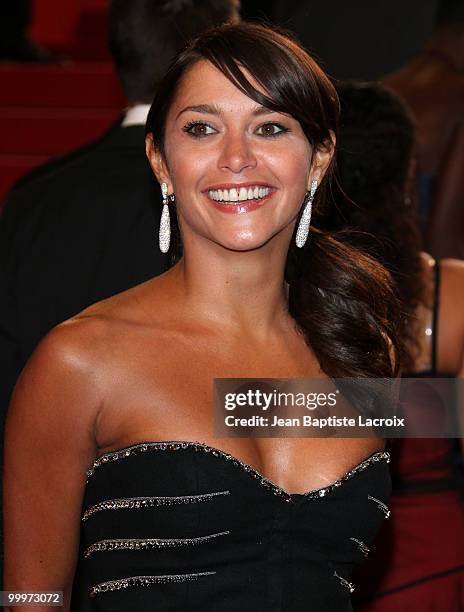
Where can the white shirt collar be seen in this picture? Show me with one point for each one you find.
(136, 115)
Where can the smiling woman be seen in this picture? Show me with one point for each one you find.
(274, 120)
(219, 157)
(243, 196)
(241, 136)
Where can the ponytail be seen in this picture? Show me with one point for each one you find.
(344, 303)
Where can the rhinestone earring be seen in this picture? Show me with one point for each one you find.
(303, 226)
(165, 223)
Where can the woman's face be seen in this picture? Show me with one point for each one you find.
(238, 170)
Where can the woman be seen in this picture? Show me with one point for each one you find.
(419, 558)
(242, 132)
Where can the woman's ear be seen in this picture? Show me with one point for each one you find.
(157, 161)
(322, 157)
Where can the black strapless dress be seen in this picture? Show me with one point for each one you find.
(185, 527)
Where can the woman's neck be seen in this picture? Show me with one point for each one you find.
(240, 292)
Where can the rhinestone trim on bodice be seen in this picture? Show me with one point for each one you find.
(131, 503)
(123, 583)
(144, 447)
(149, 543)
(380, 505)
(362, 546)
(345, 583)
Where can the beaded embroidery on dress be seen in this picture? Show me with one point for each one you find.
(179, 525)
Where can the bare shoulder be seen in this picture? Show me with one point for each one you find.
(452, 275)
(74, 358)
(452, 287)
(76, 368)
(58, 388)
(75, 347)
(62, 390)
(88, 343)
(451, 316)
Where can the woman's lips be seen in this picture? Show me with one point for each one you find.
(245, 206)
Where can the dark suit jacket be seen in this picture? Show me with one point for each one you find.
(86, 229)
(81, 229)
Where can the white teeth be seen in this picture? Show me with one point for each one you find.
(243, 194)
(239, 195)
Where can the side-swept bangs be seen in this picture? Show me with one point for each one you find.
(290, 80)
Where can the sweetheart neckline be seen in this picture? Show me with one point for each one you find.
(126, 451)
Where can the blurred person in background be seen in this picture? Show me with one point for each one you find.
(85, 226)
(15, 45)
(432, 84)
(418, 560)
(340, 32)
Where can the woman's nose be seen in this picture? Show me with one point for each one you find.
(237, 153)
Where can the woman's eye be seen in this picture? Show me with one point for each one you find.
(271, 129)
(197, 129)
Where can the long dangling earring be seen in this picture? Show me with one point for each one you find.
(303, 226)
(165, 223)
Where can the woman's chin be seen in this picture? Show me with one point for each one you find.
(244, 242)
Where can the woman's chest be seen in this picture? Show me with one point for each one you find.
(171, 391)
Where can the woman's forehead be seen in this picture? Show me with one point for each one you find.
(204, 85)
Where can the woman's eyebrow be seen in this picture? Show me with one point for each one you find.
(211, 109)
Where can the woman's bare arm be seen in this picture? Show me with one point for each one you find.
(450, 353)
(49, 444)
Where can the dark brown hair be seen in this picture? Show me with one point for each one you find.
(375, 152)
(341, 300)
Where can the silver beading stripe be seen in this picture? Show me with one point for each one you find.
(135, 581)
(380, 505)
(148, 543)
(125, 503)
(144, 447)
(348, 585)
(362, 547)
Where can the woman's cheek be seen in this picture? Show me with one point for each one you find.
(290, 166)
(189, 160)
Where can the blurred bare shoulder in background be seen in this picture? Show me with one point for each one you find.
(432, 85)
